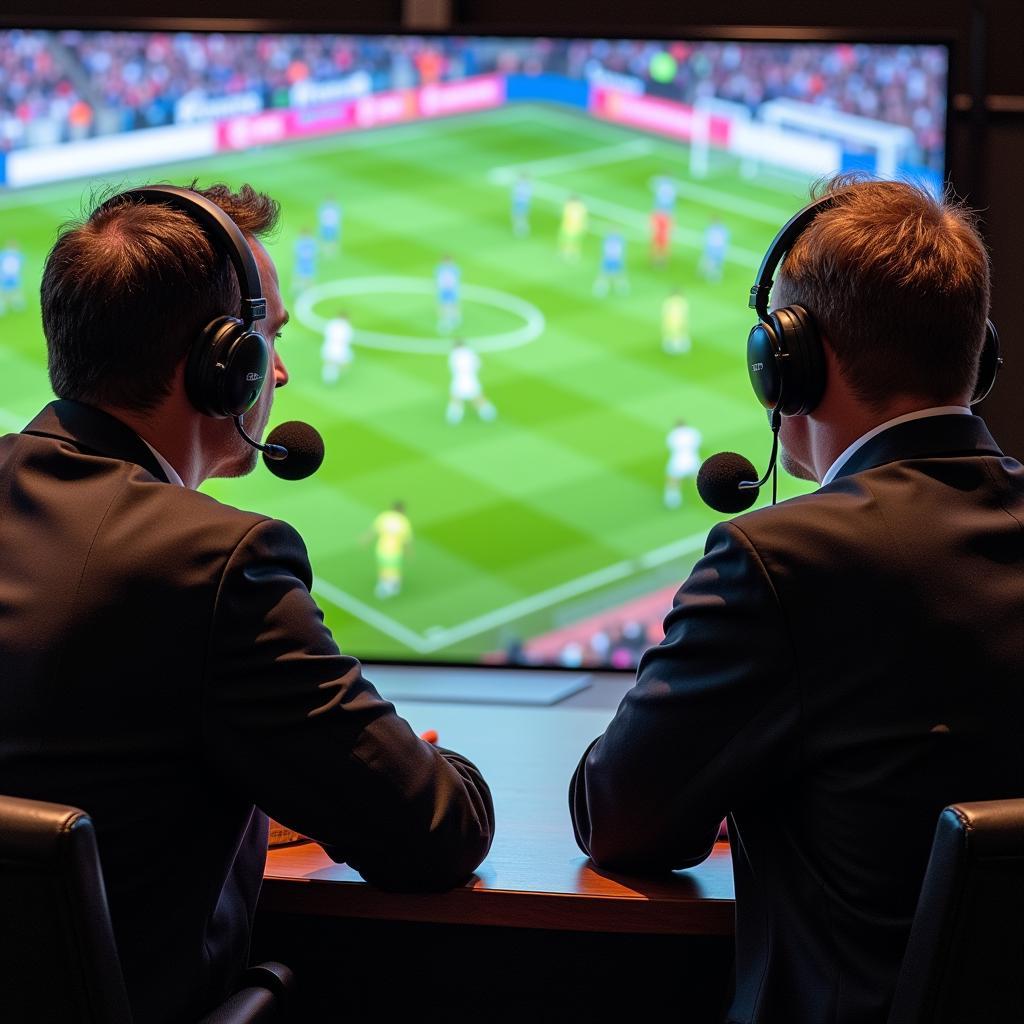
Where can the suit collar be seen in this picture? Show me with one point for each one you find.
(94, 432)
(933, 437)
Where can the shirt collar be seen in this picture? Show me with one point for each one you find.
(169, 471)
(920, 414)
(94, 432)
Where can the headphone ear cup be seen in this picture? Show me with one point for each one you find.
(763, 364)
(245, 373)
(786, 362)
(804, 360)
(226, 368)
(989, 363)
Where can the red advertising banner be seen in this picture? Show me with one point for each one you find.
(373, 111)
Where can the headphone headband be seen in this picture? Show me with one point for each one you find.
(781, 244)
(785, 358)
(227, 363)
(211, 218)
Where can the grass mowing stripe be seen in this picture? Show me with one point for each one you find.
(599, 157)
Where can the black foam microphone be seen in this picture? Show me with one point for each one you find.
(303, 449)
(728, 482)
(294, 450)
(719, 479)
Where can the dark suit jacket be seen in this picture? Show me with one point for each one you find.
(835, 670)
(165, 668)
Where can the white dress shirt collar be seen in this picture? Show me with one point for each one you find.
(169, 471)
(920, 414)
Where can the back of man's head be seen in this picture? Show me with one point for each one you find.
(126, 292)
(898, 282)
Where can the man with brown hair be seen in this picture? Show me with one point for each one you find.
(164, 666)
(841, 666)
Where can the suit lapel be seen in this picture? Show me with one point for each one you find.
(931, 437)
(95, 433)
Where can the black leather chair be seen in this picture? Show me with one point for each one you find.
(58, 959)
(965, 959)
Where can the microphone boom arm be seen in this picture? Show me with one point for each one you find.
(775, 419)
(276, 452)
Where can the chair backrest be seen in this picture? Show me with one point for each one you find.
(965, 957)
(58, 959)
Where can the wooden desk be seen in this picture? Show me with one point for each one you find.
(535, 876)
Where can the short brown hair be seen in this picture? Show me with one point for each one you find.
(127, 291)
(898, 282)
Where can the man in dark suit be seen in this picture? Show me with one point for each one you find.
(839, 667)
(164, 666)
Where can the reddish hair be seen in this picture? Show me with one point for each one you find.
(898, 282)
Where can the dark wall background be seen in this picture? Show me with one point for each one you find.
(986, 148)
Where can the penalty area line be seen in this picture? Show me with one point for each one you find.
(635, 223)
(599, 157)
(439, 638)
(371, 616)
(572, 588)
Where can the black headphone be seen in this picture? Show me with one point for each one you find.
(785, 357)
(228, 363)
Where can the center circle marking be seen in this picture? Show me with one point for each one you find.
(532, 317)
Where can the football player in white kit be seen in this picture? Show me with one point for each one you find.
(464, 364)
(683, 461)
(336, 351)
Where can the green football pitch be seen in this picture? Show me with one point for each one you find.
(553, 511)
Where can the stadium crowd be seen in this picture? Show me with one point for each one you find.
(36, 95)
(605, 642)
(98, 82)
(902, 85)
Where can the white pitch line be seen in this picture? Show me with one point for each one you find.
(728, 203)
(11, 421)
(598, 128)
(532, 317)
(598, 157)
(72, 189)
(683, 546)
(625, 151)
(573, 588)
(637, 222)
(370, 615)
(438, 638)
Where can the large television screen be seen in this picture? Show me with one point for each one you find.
(516, 269)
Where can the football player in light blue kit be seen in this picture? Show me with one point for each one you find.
(447, 281)
(305, 261)
(522, 193)
(716, 242)
(329, 221)
(613, 265)
(11, 263)
(665, 194)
